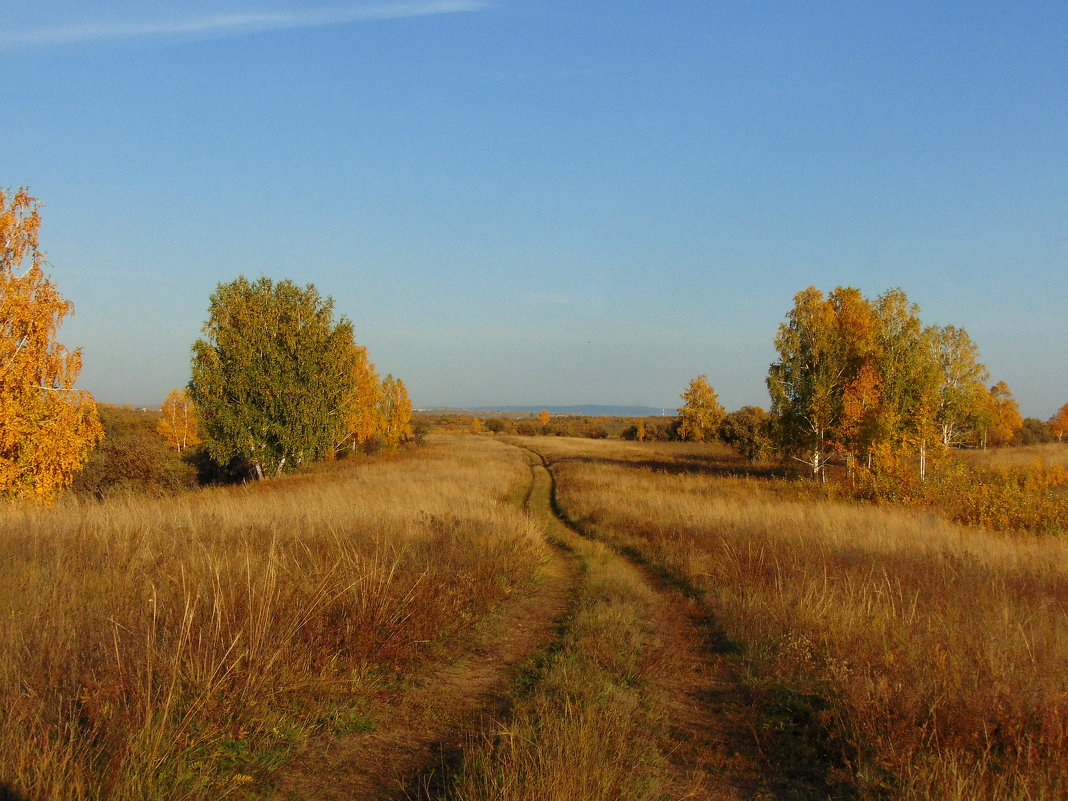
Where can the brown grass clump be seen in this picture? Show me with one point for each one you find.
(910, 658)
(180, 648)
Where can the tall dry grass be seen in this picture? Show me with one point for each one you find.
(179, 649)
(589, 723)
(925, 660)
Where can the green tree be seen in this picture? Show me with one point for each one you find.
(271, 377)
(748, 431)
(1033, 432)
(701, 413)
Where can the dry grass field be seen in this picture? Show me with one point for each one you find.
(190, 647)
(182, 648)
(890, 652)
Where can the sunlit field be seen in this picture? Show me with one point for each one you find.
(894, 653)
(182, 648)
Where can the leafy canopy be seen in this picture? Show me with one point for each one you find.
(701, 413)
(47, 427)
(272, 377)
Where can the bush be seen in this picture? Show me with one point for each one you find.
(133, 458)
(1033, 432)
(747, 431)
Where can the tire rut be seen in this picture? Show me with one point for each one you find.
(708, 748)
(423, 730)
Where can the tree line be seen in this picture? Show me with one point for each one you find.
(278, 382)
(862, 381)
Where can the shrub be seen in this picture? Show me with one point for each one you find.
(133, 458)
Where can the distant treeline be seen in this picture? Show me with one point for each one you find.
(591, 426)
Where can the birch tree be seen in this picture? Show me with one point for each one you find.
(178, 424)
(701, 414)
(808, 382)
(270, 378)
(47, 427)
(961, 385)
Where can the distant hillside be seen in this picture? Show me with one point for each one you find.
(583, 410)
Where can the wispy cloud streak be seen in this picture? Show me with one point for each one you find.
(234, 24)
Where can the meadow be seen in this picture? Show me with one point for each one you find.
(886, 651)
(184, 647)
(727, 631)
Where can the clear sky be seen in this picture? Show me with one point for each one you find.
(546, 202)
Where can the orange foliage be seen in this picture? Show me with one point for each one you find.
(362, 407)
(179, 425)
(1058, 424)
(1005, 415)
(47, 428)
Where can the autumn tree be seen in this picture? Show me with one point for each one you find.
(1003, 419)
(361, 405)
(178, 424)
(272, 376)
(816, 363)
(856, 376)
(701, 413)
(395, 412)
(47, 427)
(1058, 424)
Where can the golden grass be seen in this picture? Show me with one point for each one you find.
(180, 648)
(1051, 453)
(935, 658)
(591, 726)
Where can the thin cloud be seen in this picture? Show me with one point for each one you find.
(235, 24)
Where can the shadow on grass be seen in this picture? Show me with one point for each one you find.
(691, 464)
(804, 758)
(7, 794)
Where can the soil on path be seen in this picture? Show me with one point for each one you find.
(709, 747)
(425, 726)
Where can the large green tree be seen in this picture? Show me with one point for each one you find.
(271, 377)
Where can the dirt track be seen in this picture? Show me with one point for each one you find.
(427, 724)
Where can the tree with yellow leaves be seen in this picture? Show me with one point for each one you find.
(363, 401)
(701, 414)
(395, 412)
(1002, 419)
(179, 422)
(1058, 424)
(47, 427)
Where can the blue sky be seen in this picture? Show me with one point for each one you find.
(546, 202)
